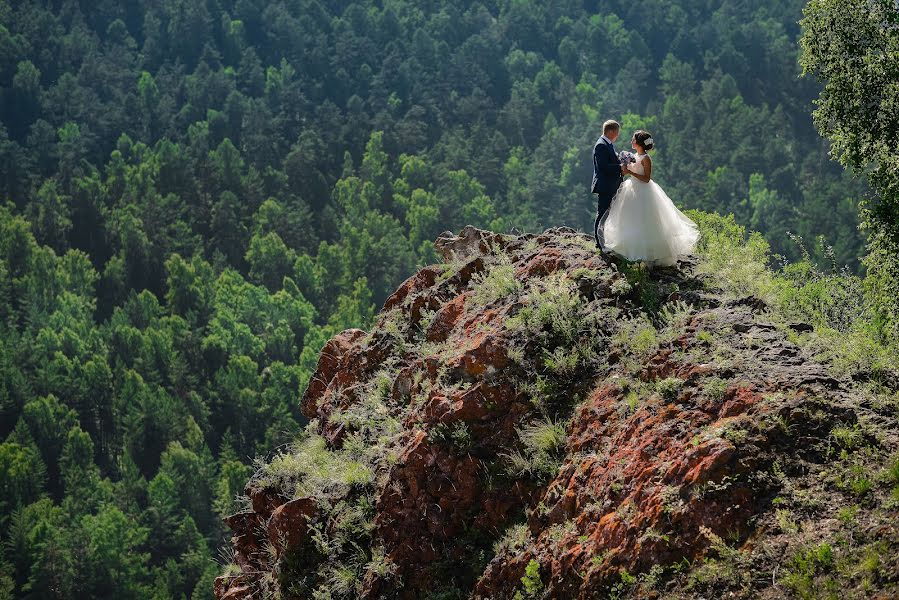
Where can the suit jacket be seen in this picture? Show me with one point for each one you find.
(606, 169)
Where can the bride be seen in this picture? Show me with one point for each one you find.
(643, 224)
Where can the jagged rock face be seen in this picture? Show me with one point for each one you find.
(546, 409)
(639, 489)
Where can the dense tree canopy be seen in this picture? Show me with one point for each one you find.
(854, 51)
(194, 196)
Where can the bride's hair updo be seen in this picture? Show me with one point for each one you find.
(644, 139)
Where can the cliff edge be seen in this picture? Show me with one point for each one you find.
(532, 420)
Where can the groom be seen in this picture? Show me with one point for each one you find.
(608, 173)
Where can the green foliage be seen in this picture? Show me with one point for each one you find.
(562, 361)
(553, 312)
(714, 388)
(632, 401)
(543, 446)
(675, 314)
(513, 540)
(531, 582)
(857, 112)
(847, 328)
(497, 282)
(804, 569)
(831, 299)
(726, 567)
(307, 469)
(637, 336)
(669, 387)
(647, 288)
(22, 474)
(735, 263)
(456, 435)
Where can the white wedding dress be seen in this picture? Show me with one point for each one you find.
(643, 224)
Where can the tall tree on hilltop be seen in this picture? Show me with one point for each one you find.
(852, 47)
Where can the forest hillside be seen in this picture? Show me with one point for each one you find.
(196, 196)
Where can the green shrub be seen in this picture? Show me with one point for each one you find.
(357, 473)
(495, 283)
(669, 387)
(728, 567)
(344, 581)
(553, 311)
(562, 361)
(546, 437)
(833, 299)
(854, 479)
(805, 567)
(735, 263)
(893, 472)
(649, 291)
(847, 514)
(632, 401)
(715, 388)
(456, 435)
(848, 331)
(380, 565)
(307, 468)
(674, 315)
(531, 582)
(637, 336)
(706, 337)
(514, 539)
(849, 438)
(543, 448)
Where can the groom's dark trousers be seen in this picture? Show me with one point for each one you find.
(606, 179)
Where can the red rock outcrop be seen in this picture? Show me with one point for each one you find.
(672, 429)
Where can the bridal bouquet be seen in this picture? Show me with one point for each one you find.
(625, 157)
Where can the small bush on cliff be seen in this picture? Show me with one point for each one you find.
(637, 337)
(515, 538)
(804, 569)
(307, 468)
(669, 387)
(547, 437)
(715, 388)
(562, 361)
(832, 298)
(343, 581)
(674, 316)
(543, 449)
(734, 262)
(456, 435)
(497, 282)
(380, 564)
(531, 582)
(847, 330)
(552, 313)
(649, 291)
(728, 568)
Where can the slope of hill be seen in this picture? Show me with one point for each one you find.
(531, 420)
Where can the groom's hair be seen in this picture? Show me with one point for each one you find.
(610, 126)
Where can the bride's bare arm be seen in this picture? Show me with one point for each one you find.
(647, 170)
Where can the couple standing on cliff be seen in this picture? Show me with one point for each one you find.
(635, 219)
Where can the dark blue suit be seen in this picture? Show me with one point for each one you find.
(606, 179)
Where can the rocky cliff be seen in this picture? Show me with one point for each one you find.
(532, 420)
